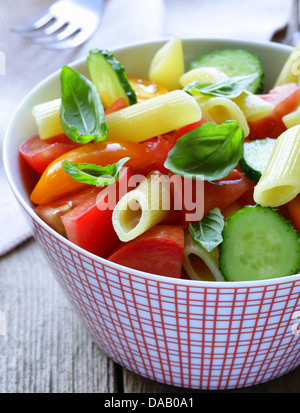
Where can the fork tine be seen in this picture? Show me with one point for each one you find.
(74, 41)
(40, 22)
(68, 31)
(54, 31)
(48, 30)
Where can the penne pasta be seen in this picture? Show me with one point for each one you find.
(290, 71)
(153, 117)
(252, 106)
(47, 117)
(168, 64)
(136, 123)
(200, 264)
(142, 208)
(280, 182)
(292, 119)
(219, 110)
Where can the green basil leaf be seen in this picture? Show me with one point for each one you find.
(207, 233)
(207, 153)
(229, 88)
(94, 174)
(81, 114)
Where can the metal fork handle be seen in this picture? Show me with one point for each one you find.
(93, 5)
(293, 31)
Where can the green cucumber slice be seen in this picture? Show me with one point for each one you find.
(109, 77)
(234, 62)
(258, 244)
(256, 156)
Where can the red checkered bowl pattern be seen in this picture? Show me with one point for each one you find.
(200, 335)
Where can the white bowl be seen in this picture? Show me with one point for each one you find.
(202, 335)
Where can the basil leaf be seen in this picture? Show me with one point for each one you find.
(207, 153)
(207, 233)
(94, 174)
(81, 114)
(229, 88)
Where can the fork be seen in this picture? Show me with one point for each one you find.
(290, 33)
(66, 24)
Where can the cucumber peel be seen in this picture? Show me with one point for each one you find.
(258, 244)
(109, 77)
(234, 62)
(255, 157)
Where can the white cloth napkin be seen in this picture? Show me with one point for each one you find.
(124, 21)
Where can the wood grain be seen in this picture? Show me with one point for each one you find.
(46, 349)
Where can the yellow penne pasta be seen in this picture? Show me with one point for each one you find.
(153, 117)
(142, 208)
(291, 69)
(200, 264)
(168, 64)
(219, 110)
(292, 119)
(47, 117)
(280, 182)
(252, 106)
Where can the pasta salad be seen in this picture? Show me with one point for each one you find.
(192, 173)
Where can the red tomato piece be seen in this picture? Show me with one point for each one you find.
(158, 251)
(188, 128)
(89, 225)
(294, 211)
(218, 194)
(160, 146)
(52, 213)
(286, 98)
(40, 153)
(118, 104)
(247, 197)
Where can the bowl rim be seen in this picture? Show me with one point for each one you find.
(120, 268)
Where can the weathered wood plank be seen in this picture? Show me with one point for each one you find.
(45, 349)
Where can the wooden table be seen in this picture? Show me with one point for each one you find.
(47, 350)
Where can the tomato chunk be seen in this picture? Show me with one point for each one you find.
(158, 251)
(286, 98)
(89, 225)
(188, 128)
(160, 146)
(217, 194)
(118, 104)
(294, 211)
(52, 213)
(40, 153)
(55, 183)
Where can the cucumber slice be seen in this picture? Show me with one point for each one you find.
(234, 62)
(258, 244)
(109, 77)
(256, 156)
